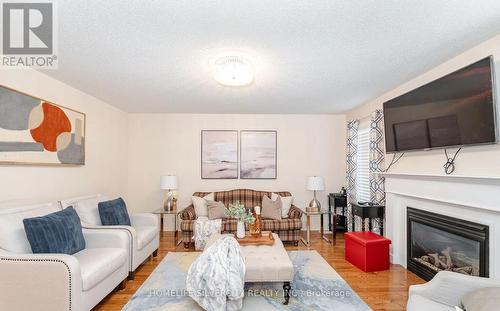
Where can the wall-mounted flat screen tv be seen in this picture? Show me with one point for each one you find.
(457, 109)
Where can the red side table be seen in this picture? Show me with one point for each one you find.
(367, 251)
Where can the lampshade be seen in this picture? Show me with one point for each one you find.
(168, 182)
(315, 183)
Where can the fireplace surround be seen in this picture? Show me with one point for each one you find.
(438, 242)
(472, 199)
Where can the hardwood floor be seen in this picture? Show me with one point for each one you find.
(386, 290)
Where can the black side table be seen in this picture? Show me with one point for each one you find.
(336, 200)
(369, 211)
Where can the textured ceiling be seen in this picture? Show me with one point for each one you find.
(311, 56)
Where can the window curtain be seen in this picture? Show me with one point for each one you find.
(377, 155)
(351, 157)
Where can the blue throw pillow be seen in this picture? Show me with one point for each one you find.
(59, 232)
(114, 213)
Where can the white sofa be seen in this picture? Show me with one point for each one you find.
(57, 282)
(445, 291)
(144, 232)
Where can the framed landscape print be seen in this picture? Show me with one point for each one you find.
(35, 131)
(219, 154)
(258, 154)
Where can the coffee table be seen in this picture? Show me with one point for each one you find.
(266, 263)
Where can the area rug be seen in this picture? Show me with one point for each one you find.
(316, 286)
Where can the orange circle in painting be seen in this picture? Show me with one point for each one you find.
(54, 123)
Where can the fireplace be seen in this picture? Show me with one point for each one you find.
(437, 242)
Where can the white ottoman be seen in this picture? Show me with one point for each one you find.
(266, 263)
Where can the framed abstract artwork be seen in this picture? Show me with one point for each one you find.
(258, 156)
(36, 131)
(219, 154)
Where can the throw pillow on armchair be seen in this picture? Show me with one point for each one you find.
(286, 203)
(114, 213)
(216, 210)
(59, 232)
(271, 209)
(483, 299)
(200, 204)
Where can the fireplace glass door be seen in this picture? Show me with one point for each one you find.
(441, 250)
(442, 243)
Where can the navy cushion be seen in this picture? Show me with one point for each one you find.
(114, 213)
(59, 232)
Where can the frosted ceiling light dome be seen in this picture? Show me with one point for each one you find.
(233, 70)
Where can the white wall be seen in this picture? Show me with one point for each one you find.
(106, 140)
(171, 144)
(472, 161)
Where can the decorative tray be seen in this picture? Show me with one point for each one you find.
(266, 238)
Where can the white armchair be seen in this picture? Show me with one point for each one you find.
(143, 234)
(57, 282)
(445, 291)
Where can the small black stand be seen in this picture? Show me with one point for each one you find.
(338, 200)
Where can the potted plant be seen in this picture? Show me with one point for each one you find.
(238, 211)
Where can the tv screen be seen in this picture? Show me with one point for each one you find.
(457, 109)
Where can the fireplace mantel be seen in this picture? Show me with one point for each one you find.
(475, 199)
(474, 192)
(448, 178)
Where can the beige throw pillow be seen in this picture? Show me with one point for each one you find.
(484, 299)
(286, 203)
(216, 210)
(200, 204)
(271, 209)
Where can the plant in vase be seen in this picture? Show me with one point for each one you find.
(238, 211)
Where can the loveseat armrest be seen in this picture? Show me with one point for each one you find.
(124, 237)
(50, 280)
(449, 287)
(188, 213)
(144, 219)
(295, 212)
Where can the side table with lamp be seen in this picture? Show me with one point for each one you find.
(169, 183)
(317, 183)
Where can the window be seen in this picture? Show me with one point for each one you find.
(363, 165)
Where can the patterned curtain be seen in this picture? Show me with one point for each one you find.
(351, 152)
(377, 152)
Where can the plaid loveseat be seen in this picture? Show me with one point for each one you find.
(288, 229)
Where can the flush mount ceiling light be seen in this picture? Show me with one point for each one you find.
(233, 70)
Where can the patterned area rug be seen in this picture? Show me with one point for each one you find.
(316, 286)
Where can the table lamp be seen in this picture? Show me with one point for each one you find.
(315, 183)
(168, 182)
